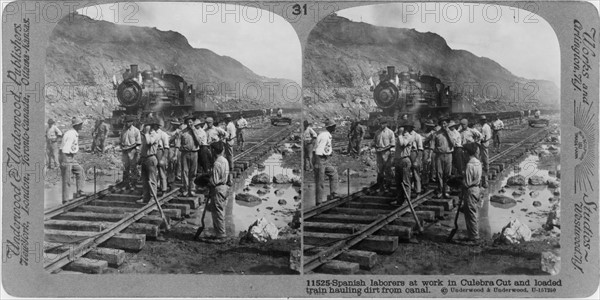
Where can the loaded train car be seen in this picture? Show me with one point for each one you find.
(162, 95)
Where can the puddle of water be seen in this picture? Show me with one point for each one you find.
(496, 216)
(53, 193)
(239, 215)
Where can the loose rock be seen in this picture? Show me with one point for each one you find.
(281, 202)
(261, 178)
(518, 193)
(279, 192)
(534, 194)
(247, 198)
(502, 199)
(537, 180)
(262, 231)
(516, 180)
(262, 192)
(537, 203)
(514, 232)
(281, 179)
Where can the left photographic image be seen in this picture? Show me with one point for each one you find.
(172, 141)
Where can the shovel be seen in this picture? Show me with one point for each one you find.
(412, 210)
(455, 229)
(202, 225)
(162, 213)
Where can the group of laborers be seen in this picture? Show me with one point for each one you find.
(437, 153)
(197, 147)
(163, 157)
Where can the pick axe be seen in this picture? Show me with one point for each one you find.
(162, 213)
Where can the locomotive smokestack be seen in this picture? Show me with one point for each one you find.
(391, 72)
(134, 69)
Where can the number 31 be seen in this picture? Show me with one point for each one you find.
(297, 9)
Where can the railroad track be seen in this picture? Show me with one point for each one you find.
(93, 232)
(345, 234)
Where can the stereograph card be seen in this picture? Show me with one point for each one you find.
(312, 149)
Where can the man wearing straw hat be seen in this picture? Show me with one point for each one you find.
(308, 139)
(458, 164)
(323, 166)
(52, 135)
(174, 165)
(486, 136)
(204, 151)
(242, 124)
(428, 155)
(229, 141)
(130, 144)
(162, 155)
(149, 160)
(383, 143)
(68, 165)
(189, 157)
(402, 162)
(443, 158)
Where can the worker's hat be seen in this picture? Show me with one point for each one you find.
(483, 117)
(429, 123)
(452, 124)
(198, 122)
(130, 118)
(464, 122)
(329, 123)
(186, 118)
(51, 121)
(76, 121)
(227, 116)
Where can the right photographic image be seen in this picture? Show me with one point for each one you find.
(431, 141)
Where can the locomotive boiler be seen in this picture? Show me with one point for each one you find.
(412, 94)
(141, 93)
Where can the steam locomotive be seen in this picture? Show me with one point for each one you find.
(162, 95)
(412, 94)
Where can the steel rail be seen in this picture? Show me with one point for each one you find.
(264, 141)
(55, 211)
(343, 245)
(87, 245)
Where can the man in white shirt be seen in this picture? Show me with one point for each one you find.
(280, 112)
(383, 142)
(402, 163)
(497, 127)
(416, 159)
(229, 142)
(458, 163)
(242, 124)
(52, 135)
(162, 155)
(486, 136)
(68, 165)
(308, 139)
(323, 165)
(130, 144)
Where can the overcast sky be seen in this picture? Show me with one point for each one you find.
(501, 33)
(263, 42)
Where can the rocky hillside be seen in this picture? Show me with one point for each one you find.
(341, 55)
(83, 55)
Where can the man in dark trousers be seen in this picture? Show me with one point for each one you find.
(323, 165)
(149, 161)
(402, 162)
